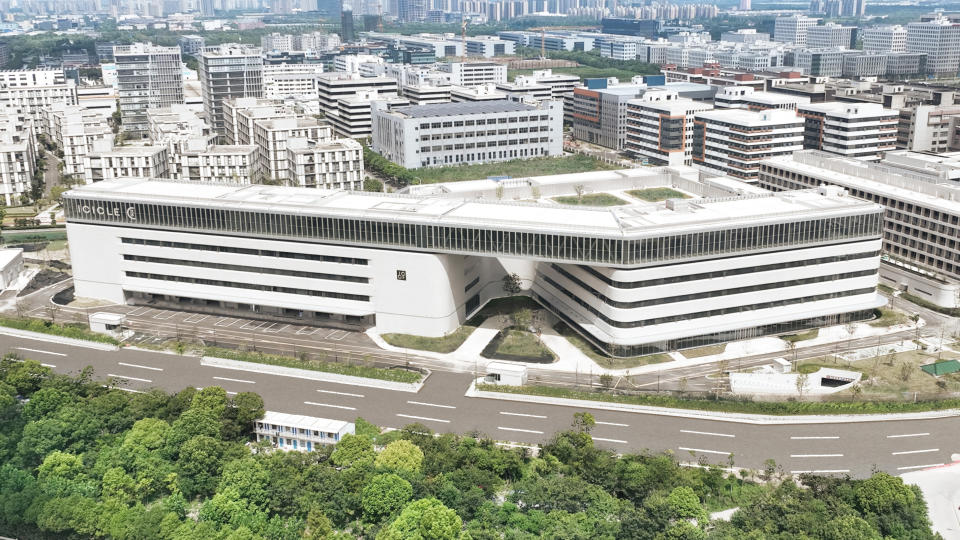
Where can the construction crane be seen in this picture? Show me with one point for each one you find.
(463, 37)
(379, 16)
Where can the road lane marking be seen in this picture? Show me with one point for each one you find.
(139, 366)
(521, 414)
(907, 435)
(815, 455)
(235, 380)
(919, 466)
(814, 438)
(423, 418)
(707, 433)
(229, 393)
(515, 445)
(329, 405)
(705, 451)
(41, 352)
(609, 440)
(128, 377)
(822, 471)
(340, 393)
(51, 366)
(599, 423)
(431, 405)
(131, 390)
(926, 451)
(521, 430)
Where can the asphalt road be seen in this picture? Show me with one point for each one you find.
(854, 448)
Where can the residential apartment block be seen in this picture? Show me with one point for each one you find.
(733, 142)
(228, 72)
(105, 163)
(18, 159)
(148, 77)
(326, 164)
(858, 130)
(660, 127)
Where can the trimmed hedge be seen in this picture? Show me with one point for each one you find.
(384, 374)
(73, 331)
(953, 312)
(778, 408)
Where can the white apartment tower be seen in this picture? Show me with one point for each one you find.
(940, 40)
(857, 130)
(792, 29)
(831, 35)
(226, 72)
(148, 77)
(733, 142)
(885, 39)
(660, 127)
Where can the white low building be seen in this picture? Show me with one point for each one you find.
(296, 432)
(11, 266)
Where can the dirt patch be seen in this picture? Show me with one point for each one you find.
(43, 278)
(55, 264)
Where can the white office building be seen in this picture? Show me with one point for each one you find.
(464, 133)
(326, 164)
(29, 92)
(631, 279)
(271, 136)
(336, 86)
(939, 39)
(792, 29)
(857, 130)
(148, 77)
(660, 127)
(474, 73)
(831, 35)
(891, 38)
(746, 97)
(228, 72)
(921, 229)
(105, 163)
(17, 157)
(733, 141)
(75, 130)
(285, 80)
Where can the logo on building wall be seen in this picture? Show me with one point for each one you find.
(131, 213)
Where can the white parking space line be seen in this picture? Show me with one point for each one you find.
(307, 331)
(599, 423)
(329, 333)
(223, 322)
(813, 438)
(522, 414)
(707, 433)
(41, 352)
(340, 334)
(905, 452)
(128, 377)
(814, 455)
(235, 380)
(431, 405)
(275, 328)
(195, 318)
(341, 393)
(919, 466)
(423, 418)
(521, 430)
(905, 435)
(139, 311)
(822, 471)
(609, 440)
(253, 325)
(139, 366)
(164, 315)
(702, 451)
(315, 404)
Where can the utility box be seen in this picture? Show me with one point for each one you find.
(506, 373)
(107, 323)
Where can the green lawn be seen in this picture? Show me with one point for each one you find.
(708, 350)
(20, 211)
(603, 360)
(518, 345)
(657, 194)
(591, 199)
(445, 344)
(40, 236)
(889, 317)
(517, 168)
(803, 336)
(503, 306)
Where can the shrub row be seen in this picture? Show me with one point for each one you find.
(74, 331)
(384, 374)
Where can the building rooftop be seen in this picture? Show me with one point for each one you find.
(313, 423)
(469, 107)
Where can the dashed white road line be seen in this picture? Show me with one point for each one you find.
(814, 438)
(702, 451)
(520, 430)
(329, 405)
(822, 471)
(919, 466)
(229, 393)
(431, 405)
(348, 394)
(708, 433)
(41, 352)
(925, 451)
(244, 381)
(128, 377)
(139, 366)
(428, 419)
(599, 423)
(522, 414)
(814, 455)
(905, 435)
(609, 440)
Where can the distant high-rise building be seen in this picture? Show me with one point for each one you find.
(346, 23)
(226, 72)
(792, 29)
(939, 38)
(206, 8)
(831, 35)
(885, 39)
(744, 5)
(412, 10)
(148, 77)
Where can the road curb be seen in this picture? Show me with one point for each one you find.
(50, 338)
(738, 418)
(238, 365)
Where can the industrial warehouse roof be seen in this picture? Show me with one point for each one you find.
(636, 220)
(453, 109)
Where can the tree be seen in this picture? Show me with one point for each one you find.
(522, 318)
(400, 455)
(579, 189)
(424, 519)
(849, 527)
(512, 284)
(199, 465)
(583, 422)
(606, 380)
(372, 184)
(884, 494)
(353, 450)
(684, 504)
(801, 383)
(499, 191)
(384, 495)
(318, 526)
